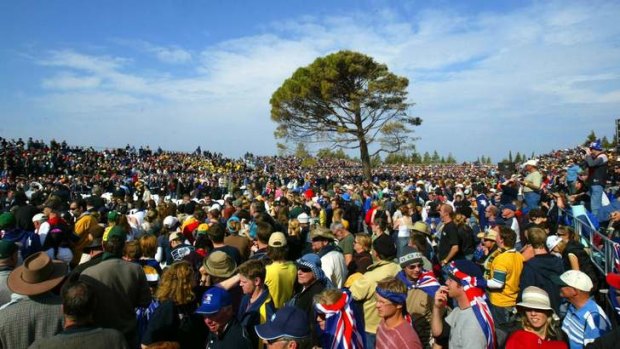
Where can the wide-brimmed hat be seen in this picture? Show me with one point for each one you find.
(488, 235)
(220, 264)
(535, 298)
(38, 274)
(322, 234)
(420, 227)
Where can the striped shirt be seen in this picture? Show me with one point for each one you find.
(583, 326)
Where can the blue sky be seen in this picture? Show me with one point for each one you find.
(485, 76)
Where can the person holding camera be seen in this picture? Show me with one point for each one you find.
(596, 161)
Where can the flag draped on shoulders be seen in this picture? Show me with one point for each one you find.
(343, 327)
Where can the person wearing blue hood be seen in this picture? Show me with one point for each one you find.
(311, 281)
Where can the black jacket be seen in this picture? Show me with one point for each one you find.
(538, 272)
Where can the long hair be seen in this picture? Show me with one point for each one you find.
(551, 326)
(176, 284)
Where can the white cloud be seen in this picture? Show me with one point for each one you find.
(483, 74)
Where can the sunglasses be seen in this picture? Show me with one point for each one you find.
(305, 269)
(414, 266)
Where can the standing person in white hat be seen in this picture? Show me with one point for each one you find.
(531, 185)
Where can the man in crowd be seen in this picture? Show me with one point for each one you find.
(224, 329)
(449, 238)
(120, 287)
(469, 324)
(288, 328)
(596, 161)
(38, 313)
(585, 320)
(332, 260)
(421, 286)
(256, 305)
(532, 185)
(503, 281)
(281, 273)
(80, 330)
(363, 289)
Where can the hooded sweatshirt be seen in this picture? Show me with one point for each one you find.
(538, 271)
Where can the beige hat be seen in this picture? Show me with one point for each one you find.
(175, 236)
(488, 235)
(277, 239)
(322, 234)
(220, 264)
(421, 227)
(535, 298)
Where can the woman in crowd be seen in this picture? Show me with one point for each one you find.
(362, 258)
(540, 328)
(174, 320)
(574, 254)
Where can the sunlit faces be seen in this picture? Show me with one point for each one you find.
(413, 270)
(385, 308)
(536, 318)
(305, 276)
(247, 285)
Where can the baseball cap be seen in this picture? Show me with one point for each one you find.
(552, 242)
(288, 321)
(39, 217)
(575, 279)
(170, 222)
(303, 218)
(277, 239)
(213, 300)
(175, 236)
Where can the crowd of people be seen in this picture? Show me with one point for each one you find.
(130, 248)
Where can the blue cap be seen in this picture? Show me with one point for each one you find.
(596, 145)
(289, 321)
(213, 300)
(346, 197)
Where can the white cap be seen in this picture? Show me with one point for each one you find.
(170, 221)
(39, 217)
(303, 218)
(576, 279)
(552, 242)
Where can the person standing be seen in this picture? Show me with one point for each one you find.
(449, 248)
(597, 163)
(470, 322)
(532, 185)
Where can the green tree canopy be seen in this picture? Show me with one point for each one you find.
(347, 100)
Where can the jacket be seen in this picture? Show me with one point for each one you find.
(538, 272)
(363, 290)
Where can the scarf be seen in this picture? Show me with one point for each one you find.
(342, 328)
(426, 282)
(474, 290)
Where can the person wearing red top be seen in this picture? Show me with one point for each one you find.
(540, 330)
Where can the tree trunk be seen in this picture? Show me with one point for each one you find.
(365, 157)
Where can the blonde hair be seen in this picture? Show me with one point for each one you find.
(550, 325)
(364, 240)
(328, 297)
(176, 284)
(293, 227)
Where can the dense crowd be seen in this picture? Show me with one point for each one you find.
(129, 248)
